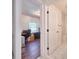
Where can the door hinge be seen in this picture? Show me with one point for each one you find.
(47, 30)
(47, 12)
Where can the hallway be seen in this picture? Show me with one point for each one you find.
(31, 50)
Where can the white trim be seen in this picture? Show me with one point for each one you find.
(16, 29)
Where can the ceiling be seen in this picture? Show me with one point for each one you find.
(30, 6)
(33, 6)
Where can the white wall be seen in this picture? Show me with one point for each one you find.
(25, 20)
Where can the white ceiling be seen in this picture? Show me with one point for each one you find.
(33, 6)
(30, 6)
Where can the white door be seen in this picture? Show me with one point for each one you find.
(55, 28)
(51, 29)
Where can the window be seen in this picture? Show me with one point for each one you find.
(33, 27)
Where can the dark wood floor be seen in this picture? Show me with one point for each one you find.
(31, 50)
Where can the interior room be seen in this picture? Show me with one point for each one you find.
(31, 24)
(40, 29)
(30, 27)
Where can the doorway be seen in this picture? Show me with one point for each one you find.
(29, 24)
(30, 29)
